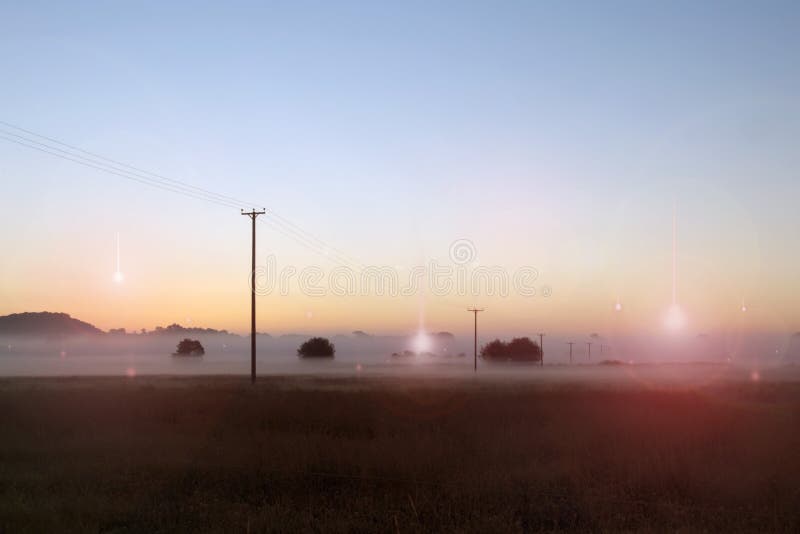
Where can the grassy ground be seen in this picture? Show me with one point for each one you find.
(399, 455)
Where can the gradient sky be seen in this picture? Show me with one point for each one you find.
(556, 135)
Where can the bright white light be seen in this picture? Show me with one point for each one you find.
(744, 308)
(675, 319)
(618, 307)
(422, 343)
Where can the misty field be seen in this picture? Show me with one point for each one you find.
(395, 455)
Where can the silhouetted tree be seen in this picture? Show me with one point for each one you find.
(520, 349)
(316, 347)
(495, 350)
(189, 347)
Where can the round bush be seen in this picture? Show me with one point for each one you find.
(316, 347)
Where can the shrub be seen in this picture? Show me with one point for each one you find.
(189, 347)
(520, 349)
(494, 350)
(316, 347)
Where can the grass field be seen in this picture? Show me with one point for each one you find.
(395, 455)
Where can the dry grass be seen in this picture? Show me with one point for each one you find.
(295, 454)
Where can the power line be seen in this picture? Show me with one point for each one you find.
(180, 189)
(116, 172)
(130, 172)
(121, 164)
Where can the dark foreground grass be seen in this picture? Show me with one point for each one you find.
(403, 455)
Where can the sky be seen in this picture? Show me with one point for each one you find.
(555, 136)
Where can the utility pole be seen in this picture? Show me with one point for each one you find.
(570, 343)
(475, 313)
(589, 343)
(253, 214)
(541, 347)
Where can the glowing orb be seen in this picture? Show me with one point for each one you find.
(118, 277)
(63, 354)
(675, 319)
(744, 308)
(358, 367)
(618, 307)
(422, 343)
(309, 314)
(130, 372)
(755, 376)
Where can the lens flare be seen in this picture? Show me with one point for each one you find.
(422, 342)
(675, 318)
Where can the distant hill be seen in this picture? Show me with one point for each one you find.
(45, 324)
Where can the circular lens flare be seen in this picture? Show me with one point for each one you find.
(422, 342)
(675, 318)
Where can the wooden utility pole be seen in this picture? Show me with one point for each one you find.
(570, 343)
(475, 313)
(253, 214)
(589, 343)
(541, 348)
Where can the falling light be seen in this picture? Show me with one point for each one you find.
(618, 306)
(675, 319)
(130, 372)
(422, 342)
(755, 376)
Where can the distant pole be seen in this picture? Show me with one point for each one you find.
(475, 313)
(589, 343)
(541, 347)
(253, 214)
(570, 343)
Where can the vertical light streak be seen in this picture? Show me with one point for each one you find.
(674, 258)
